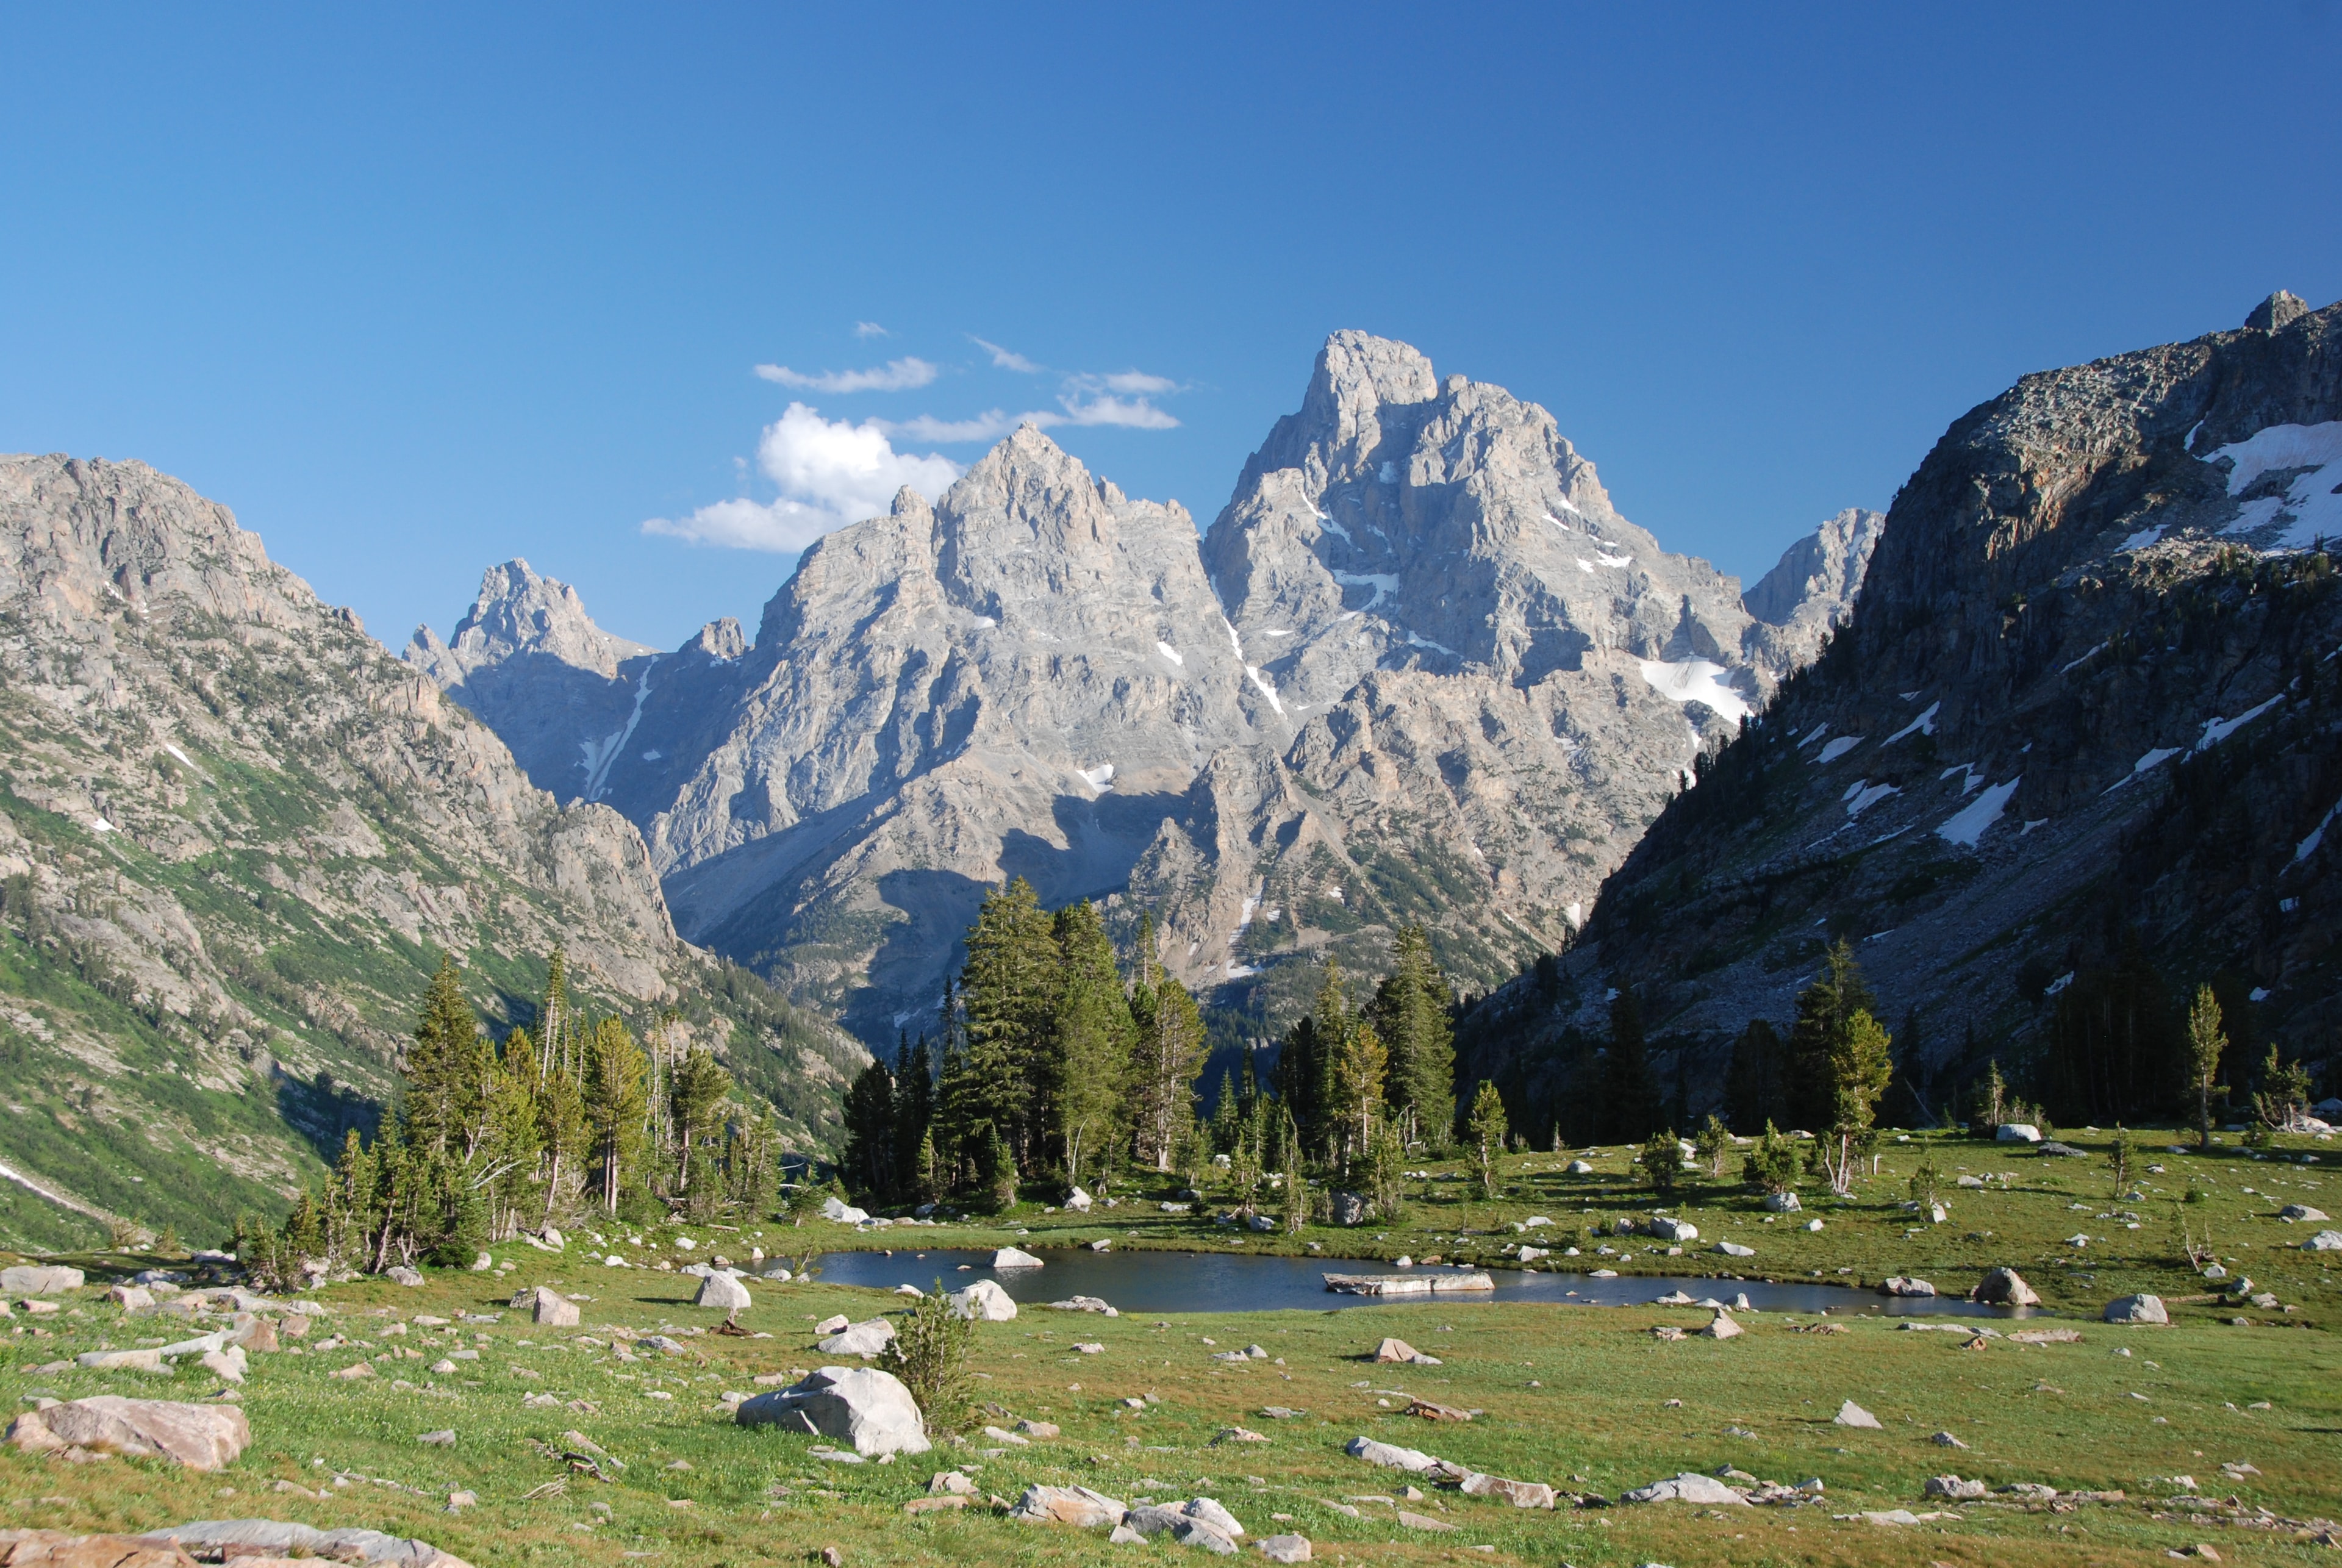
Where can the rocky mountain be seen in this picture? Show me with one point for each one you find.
(2078, 749)
(236, 834)
(1418, 669)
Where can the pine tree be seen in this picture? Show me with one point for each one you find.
(1411, 1014)
(617, 1107)
(1630, 1095)
(868, 1163)
(696, 1104)
(1300, 1083)
(1756, 1082)
(2206, 1042)
(1861, 1064)
(1166, 1058)
(1009, 990)
(1089, 1046)
(1489, 1129)
(446, 1069)
(1825, 1011)
(915, 1110)
(1355, 1072)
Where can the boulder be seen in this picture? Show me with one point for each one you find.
(1723, 1327)
(1286, 1548)
(260, 1337)
(1392, 1457)
(869, 1408)
(984, 1301)
(1531, 1254)
(1519, 1493)
(227, 1365)
(2005, 1287)
(120, 1360)
(549, 1307)
(1954, 1490)
(1075, 1505)
(199, 1437)
(1346, 1208)
(1394, 1351)
(1078, 1201)
(1852, 1415)
(137, 1298)
(1086, 1303)
(2051, 1149)
(1897, 1285)
(862, 1339)
(400, 1274)
(950, 1484)
(1781, 1203)
(2323, 1242)
(2294, 1214)
(833, 1207)
(1673, 1230)
(2017, 1132)
(1735, 1249)
(1198, 1522)
(831, 1325)
(721, 1291)
(2136, 1309)
(1687, 1487)
(39, 1280)
(1578, 1168)
(1015, 1258)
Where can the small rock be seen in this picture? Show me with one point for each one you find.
(1956, 1490)
(1897, 1285)
(1042, 1429)
(1781, 1203)
(1735, 1249)
(1015, 1258)
(1945, 1440)
(1852, 1415)
(1392, 1351)
(353, 1372)
(2148, 1309)
(1284, 1548)
(1687, 1487)
(459, 1501)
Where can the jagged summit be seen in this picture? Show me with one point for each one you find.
(1431, 676)
(518, 614)
(2277, 312)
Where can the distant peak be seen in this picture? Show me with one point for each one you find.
(1358, 367)
(2275, 312)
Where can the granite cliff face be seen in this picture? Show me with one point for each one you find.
(2085, 713)
(1417, 669)
(235, 834)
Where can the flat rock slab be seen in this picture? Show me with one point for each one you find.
(56, 1549)
(1687, 1487)
(1394, 1352)
(1519, 1493)
(199, 1437)
(1391, 1456)
(1852, 1415)
(1075, 1505)
(39, 1280)
(1454, 1281)
(285, 1539)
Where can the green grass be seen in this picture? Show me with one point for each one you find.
(1605, 1411)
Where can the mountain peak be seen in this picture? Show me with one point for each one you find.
(2275, 312)
(519, 612)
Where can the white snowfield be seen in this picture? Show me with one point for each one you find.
(1968, 824)
(1697, 680)
(2309, 502)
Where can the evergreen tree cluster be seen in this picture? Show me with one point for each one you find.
(490, 1138)
(1045, 1063)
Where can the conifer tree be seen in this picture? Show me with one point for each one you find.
(1825, 1011)
(1861, 1065)
(1166, 1058)
(868, 1162)
(1300, 1083)
(1630, 1095)
(1489, 1129)
(696, 1104)
(617, 1107)
(1755, 1080)
(1410, 1013)
(915, 1109)
(2206, 1042)
(1355, 1066)
(1089, 1052)
(1009, 990)
(446, 1078)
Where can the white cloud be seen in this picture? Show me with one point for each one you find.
(1136, 412)
(895, 375)
(989, 425)
(1005, 358)
(870, 329)
(829, 473)
(1135, 383)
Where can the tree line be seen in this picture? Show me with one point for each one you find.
(1048, 1063)
(489, 1138)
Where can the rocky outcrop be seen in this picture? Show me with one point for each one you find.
(1418, 670)
(1809, 591)
(237, 833)
(2074, 751)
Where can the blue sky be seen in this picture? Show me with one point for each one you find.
(415, 291)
